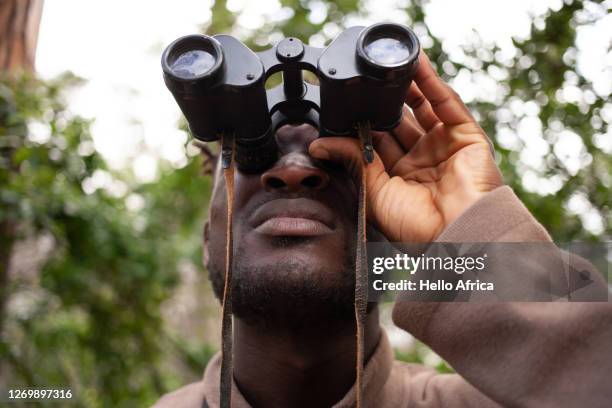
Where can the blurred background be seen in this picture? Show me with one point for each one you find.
(103, 198)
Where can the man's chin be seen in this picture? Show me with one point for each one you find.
(289, 293)
(300, 268)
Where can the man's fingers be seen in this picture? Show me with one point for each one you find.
(348, 152)
(444, 101)
(388, 148)
(421, 107)
(409, 131)
(408, 115)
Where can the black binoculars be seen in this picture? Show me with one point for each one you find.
(219, 84)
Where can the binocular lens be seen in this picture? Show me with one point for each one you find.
(388, 51)
(388, 48)
(192, 64)
(192, 59)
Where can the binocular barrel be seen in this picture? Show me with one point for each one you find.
(374, 86)
(219, 84)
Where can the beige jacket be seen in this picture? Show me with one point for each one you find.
(506, 354)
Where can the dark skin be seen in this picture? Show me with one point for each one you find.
(293, 361)
(293, 222)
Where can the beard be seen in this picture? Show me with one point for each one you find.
(292, 295)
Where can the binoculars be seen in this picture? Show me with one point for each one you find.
(219, 84)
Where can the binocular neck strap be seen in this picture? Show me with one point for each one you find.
(226, 325)
(361, 284)
(361, 271)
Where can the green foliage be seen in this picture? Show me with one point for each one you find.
(91, 318)
(542, 67)
(421, 354)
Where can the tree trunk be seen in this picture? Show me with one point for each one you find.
(19, 22)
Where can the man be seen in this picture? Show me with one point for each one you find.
(433, 179)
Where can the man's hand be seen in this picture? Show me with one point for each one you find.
(428, 170)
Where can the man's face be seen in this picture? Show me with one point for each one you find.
(294, 237)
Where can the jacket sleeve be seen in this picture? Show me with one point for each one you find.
(518, 354)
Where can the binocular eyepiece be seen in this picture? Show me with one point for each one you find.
(219, 84)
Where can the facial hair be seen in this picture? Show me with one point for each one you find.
(292, 295)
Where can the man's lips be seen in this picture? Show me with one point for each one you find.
(293, 227)
(297, 217)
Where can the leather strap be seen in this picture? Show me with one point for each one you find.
(361, 271)
(226, 322)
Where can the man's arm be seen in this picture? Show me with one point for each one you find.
(518, 354)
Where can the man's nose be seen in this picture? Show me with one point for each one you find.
(294, 173)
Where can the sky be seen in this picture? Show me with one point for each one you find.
(116, 46)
